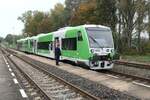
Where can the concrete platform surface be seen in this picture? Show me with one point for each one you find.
(9, 86)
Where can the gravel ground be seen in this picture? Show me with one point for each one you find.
(54, 89)
(94, 88)
(29, 89)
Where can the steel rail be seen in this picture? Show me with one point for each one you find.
(75, 88)
(131, 64)
(40, 90)
(129, 76)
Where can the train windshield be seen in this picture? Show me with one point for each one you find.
(100, 38)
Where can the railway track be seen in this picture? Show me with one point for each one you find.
(114, 73)
(49, 86)
(133, 77)
(131, 64)
(118, 74)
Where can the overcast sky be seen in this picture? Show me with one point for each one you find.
(11, 9)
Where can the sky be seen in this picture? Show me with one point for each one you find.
(10, 10)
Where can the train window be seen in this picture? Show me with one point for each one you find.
(43, 45)
(69, 44)
(79, 36)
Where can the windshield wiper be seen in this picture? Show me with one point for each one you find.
(95, 41)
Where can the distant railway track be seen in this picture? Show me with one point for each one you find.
(49, 84)
(133, 77)
(131, 64)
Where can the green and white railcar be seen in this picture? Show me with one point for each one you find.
(33, 44)
(43, 43)
(89, 44)
(20, 44)
(23, 45)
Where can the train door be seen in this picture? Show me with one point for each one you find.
(35, 46)
(51, 49)
(80, 47)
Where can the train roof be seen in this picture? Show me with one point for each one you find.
(24, 39)
(63, 30)
(43, 34)
(84, 26)
(92, 25)
(33, 37)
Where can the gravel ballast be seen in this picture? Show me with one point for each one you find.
(94, 88)
(139, 72)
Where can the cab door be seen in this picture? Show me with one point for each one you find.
(82, 46)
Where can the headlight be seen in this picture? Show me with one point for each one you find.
(92, 50)
(112, 50)
(107, 50)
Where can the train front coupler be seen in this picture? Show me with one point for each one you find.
(100, 62)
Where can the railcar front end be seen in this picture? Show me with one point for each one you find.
(101, 47)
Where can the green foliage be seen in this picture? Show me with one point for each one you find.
(106, 13)
(12, 39)
(71, 8)
(1, 39)
(57, 16)
(84, 14)
(146, 46)
(123, 16)
(95, 12)
(35, 22)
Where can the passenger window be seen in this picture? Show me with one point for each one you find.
(80, 38)
(43, 45)
(69, 44)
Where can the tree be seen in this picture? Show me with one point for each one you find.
(127, 10)
(148, 14)
(35, 22)
(140, 26)
(45, 25)
(57, 16)
(9, 38)
(71, 7)
(95, 12)
(106, 13)
(131, 14)
(12, 38)
(1, 39)
(84, 14)
(26, 18)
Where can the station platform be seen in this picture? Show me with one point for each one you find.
(10, 88)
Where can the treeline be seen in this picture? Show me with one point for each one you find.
(128, 19)
(1, 39)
